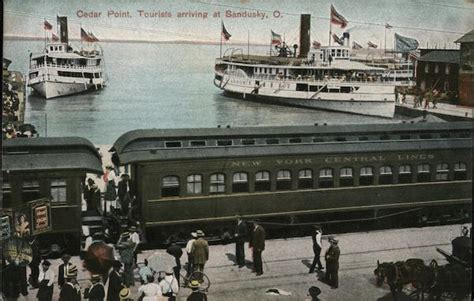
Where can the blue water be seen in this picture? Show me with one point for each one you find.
(156, 86)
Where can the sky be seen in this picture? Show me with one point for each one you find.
(433, 23)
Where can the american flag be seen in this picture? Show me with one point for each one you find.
(356, 46)
(337, 18)
(388, 26)
(337, 39)
(47, 25)
(316, 45)
(371, 45)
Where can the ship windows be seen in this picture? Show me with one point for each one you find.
(460, 171)
(326, 178)
(262, 181)
(386, 175)
(283, 180)
(405, 137)
(58, 190)
(194, 185)
(224, 142)
(366, 176)
(305, 179)
(423, 173)
(294, 140)
(198, 143)
(217, 183)
(442, 172)
(240, 182)
(346, 177)
(248, 141)
(171, 144)
(404, 174)
(425, 136)
(170, 186)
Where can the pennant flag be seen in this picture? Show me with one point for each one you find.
(316, 45)
(225, 34)
(388, 26)
(356, 46)
(276, 38)
(414, 55)
(371, 45)
(337, 39)
(54, 37)
(405, 44)
(93, 37)
(47, 25)
(337, 18)
(85, 36)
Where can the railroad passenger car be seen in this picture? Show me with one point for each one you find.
(35, 168)
(343, 176)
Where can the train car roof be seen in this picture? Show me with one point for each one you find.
(50, 153)
(138, 145)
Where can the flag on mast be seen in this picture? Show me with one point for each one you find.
(337, 18)
(316, 45)
(93, 37)
(371, 45)
(356, 46)
(47, 25)
(276, 38)
(337, 39)
(388, 26)
(85, 36)
(405, 44)
(225, 34)
(54, 37)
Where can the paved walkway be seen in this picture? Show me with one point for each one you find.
(286, 265)
(441, 108)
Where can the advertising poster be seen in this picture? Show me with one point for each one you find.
(280, 132)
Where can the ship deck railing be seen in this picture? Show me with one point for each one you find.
(67, 66)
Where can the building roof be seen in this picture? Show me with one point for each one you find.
(49, 154)
(441, 56)
(467, 38)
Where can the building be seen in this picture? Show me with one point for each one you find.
(438, 69)
(466, 72)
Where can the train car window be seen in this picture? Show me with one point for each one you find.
(262, 181)
(172, 144)
(425, 136)
(224, 142)
(318, 140)
(217, 183)
(7, 193)
(363, 138)
(240, 182)
(384, 137)
(198, 143)
(341, 139)
(170, 186)
(194, 184)
(366, 176)
(465, 135)
(442, 172)
(385, 175)
(460, 171)
(404, 174)
(248, 141)
(305, 179)
(405, 137)
(283, 180)
(273, 141)
(445, 135)
(295, 140)
(423, 174)
(326, 179)
(31, 190)
(58, 190)
(346, 177)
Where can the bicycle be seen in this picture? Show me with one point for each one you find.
(204, 282)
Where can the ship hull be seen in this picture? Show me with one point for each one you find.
(49, 89)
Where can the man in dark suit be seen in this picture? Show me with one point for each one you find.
(115, 282)
(317, 246)
(70, 290)
(332, 263)
(241, 233)
(125, 193)
(62, 269)
(96, 291)
(258, 245)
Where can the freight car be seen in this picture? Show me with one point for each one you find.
(346, 176)
(54, 168)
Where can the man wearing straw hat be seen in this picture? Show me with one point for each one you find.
(125, 247)
(200, 252)
(96, 291)
(70, 291)
(189, 247)
(196, 294)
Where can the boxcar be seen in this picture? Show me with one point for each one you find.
(35, 168)
(346, 177)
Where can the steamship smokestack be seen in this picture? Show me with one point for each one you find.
(62, 24)
(347, 38)
(305, 32)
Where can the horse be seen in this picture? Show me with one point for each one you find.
(397, 275)
(453, 279)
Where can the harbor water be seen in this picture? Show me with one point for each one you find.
(156, 85)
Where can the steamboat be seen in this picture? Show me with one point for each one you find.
(61, 70)
(324, 78)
